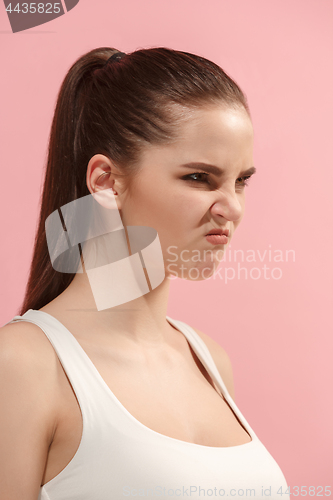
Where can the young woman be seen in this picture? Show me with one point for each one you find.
(104, 403)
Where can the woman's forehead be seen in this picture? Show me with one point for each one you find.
(210, 132)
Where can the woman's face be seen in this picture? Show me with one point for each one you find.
(177, 194)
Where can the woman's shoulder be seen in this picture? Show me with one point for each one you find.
(27, 358)
(25, 341)
(29, 415)
(221, 360)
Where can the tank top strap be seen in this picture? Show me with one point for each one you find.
(204, 355)
(202, 351)
(75, 362)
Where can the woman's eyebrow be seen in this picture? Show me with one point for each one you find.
(213, 169)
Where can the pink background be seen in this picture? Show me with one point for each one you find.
(277, 332)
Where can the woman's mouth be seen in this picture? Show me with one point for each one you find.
(217, 239)
(218, 236)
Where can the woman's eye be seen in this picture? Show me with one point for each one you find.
(244, 181)
(197, 174)
(202, 178)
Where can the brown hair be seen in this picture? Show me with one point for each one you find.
(115, 109)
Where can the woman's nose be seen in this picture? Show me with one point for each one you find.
(228, 205)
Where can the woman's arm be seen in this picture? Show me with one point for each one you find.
(221, 360)
(28, 410)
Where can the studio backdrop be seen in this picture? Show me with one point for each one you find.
(269, 304)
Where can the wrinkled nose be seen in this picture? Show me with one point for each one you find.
(227, 205)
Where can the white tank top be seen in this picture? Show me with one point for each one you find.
(119, 457)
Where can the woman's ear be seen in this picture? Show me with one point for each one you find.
(101, 181)
(100, 172)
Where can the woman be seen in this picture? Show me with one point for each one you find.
(107, 402)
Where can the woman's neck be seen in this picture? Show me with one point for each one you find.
(139, 321)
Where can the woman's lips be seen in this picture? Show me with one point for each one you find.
(217, 239)
(218, 236)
